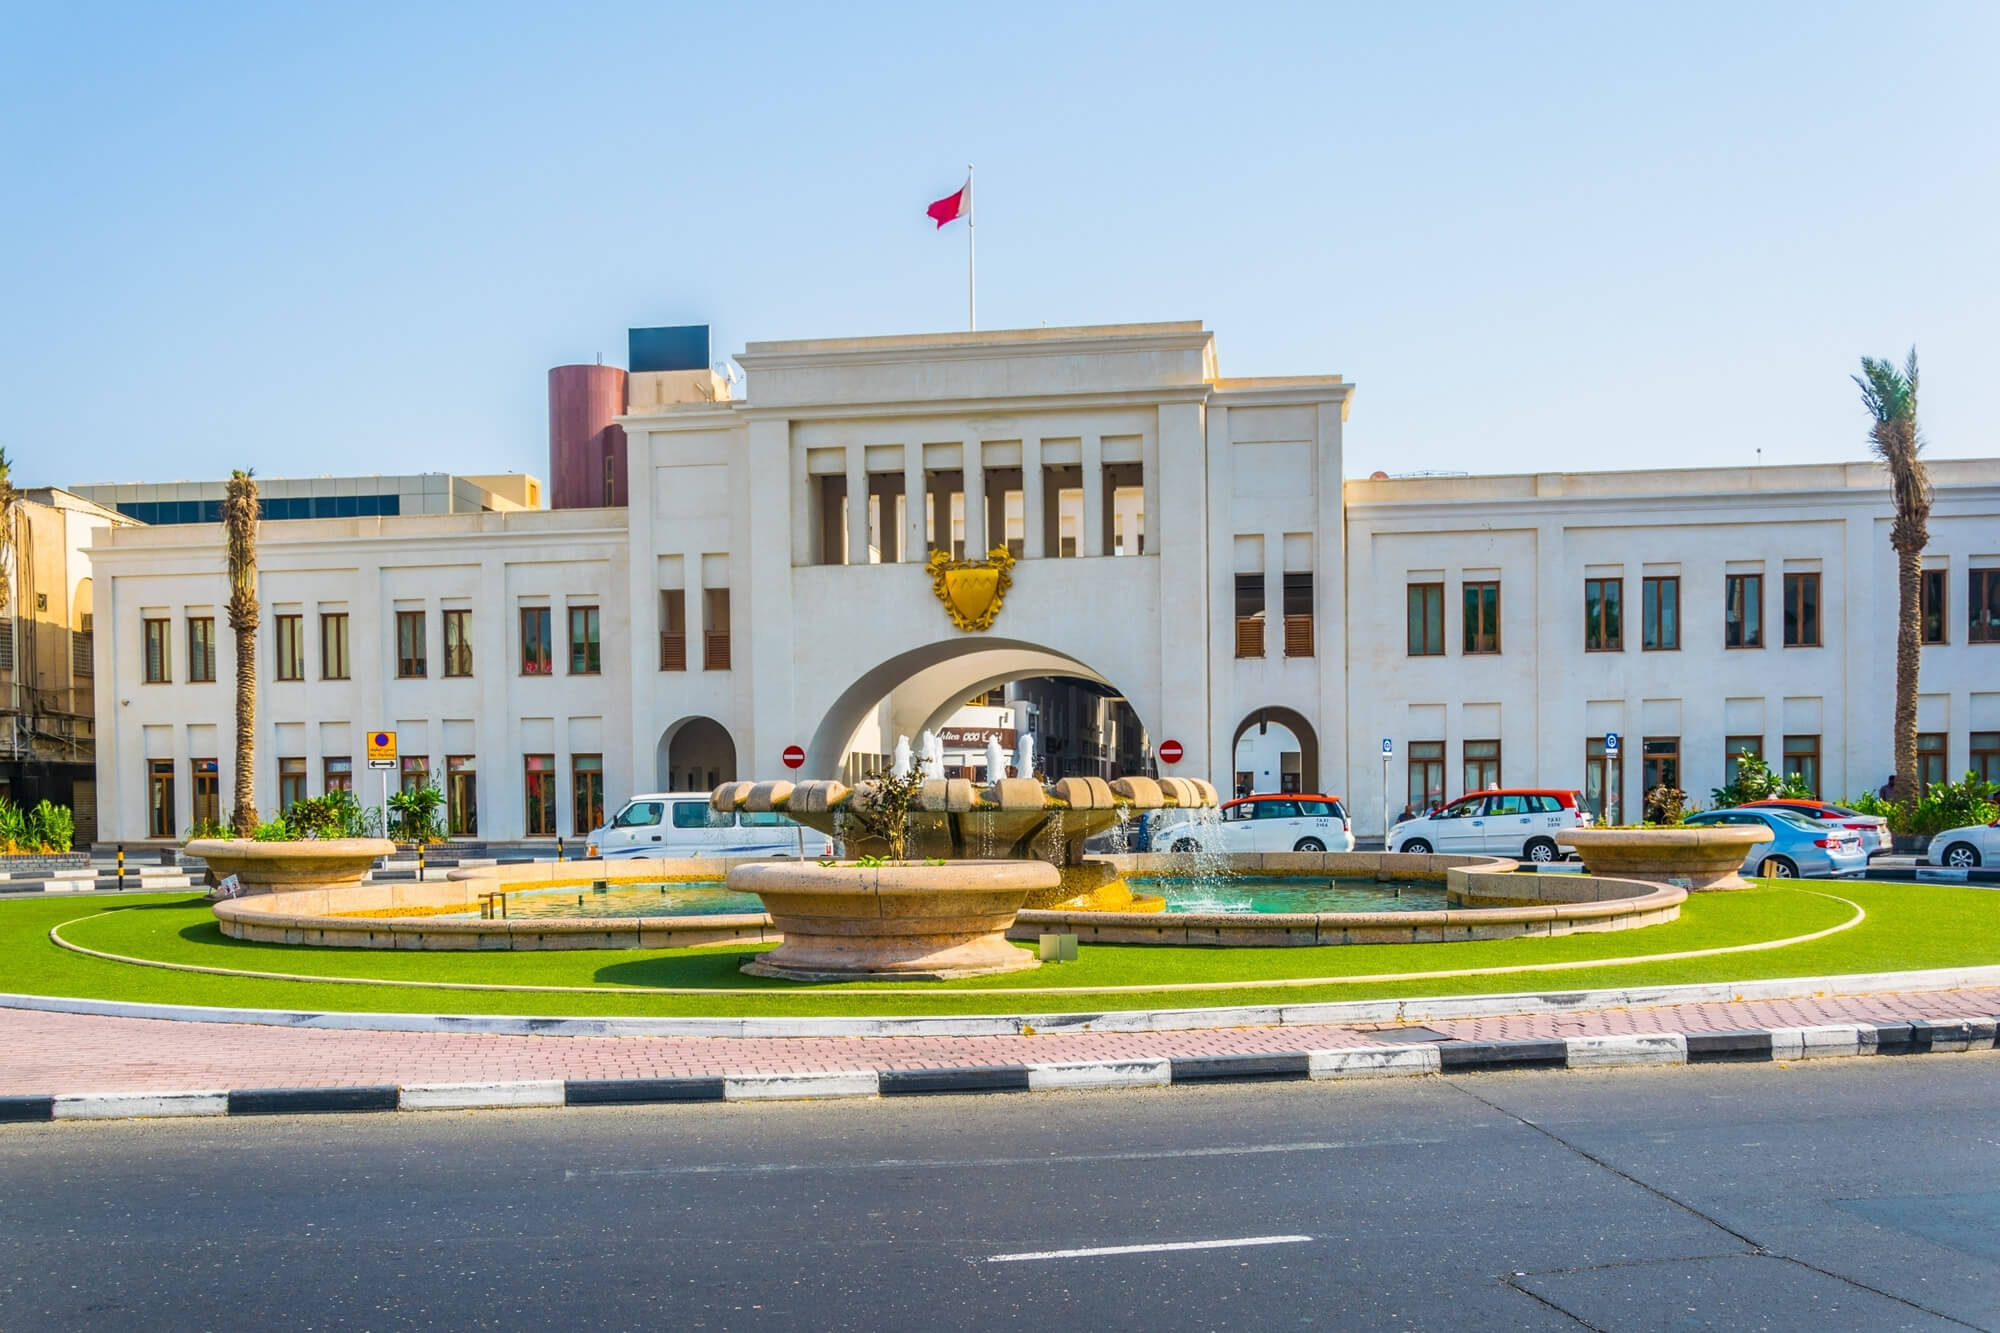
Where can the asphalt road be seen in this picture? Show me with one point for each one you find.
(1857, 1194)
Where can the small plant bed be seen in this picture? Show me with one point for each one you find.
(1906, 927)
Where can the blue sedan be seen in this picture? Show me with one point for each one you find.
(1799, 846)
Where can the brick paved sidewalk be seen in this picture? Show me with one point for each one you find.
(46, 1053)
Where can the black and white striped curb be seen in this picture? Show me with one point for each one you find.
(1433, 1056)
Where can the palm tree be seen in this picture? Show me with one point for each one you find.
(8, 496)
(239, 526)
(1891, 395)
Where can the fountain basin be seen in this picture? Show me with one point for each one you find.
(892, 923)
(1687, 858)
(278, 867)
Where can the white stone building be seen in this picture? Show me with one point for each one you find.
(1183, 541)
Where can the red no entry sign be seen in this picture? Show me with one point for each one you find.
(794, 757)
(1170, 752)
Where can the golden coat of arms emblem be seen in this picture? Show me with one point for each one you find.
(972, 590)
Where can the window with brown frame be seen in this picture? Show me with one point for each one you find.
(1603, 615)
(458, 643)
(537, 652)
(585, 657)
(201, 648)
(336, 773)
(540, 772)
(291, 781)
(1249, 615)
(159, 668)
(1482, 765)
(1427, 768)
(290, 635)
(411, 659)
(1660, 615)
(1733, 751)
(1802, 759)
(1426, 619)
(1930, 759)
(1986, 755)
(1743, 611)
(1934, 606)
(1982, 606)
(586, 788)
(333, 662)
(207, 806)
(1802, 610)
(673, 630)
(1482, 617)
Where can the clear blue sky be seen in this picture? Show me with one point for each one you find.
(1537, 236)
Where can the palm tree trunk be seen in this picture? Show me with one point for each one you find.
(1909, 655)
(243, 813)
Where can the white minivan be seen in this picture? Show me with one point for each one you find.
(677, 824)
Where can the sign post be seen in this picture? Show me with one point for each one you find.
(1388, 753)
(382, 758)
(1613, 804)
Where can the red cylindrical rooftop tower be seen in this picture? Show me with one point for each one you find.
(586, 447)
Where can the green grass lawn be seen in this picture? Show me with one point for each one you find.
(1908, 926)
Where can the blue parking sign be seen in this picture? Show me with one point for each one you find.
(1388, 747)
(1611, 742)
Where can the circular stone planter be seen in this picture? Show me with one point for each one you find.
(893, 923)
(1687, 858)
(275, 867)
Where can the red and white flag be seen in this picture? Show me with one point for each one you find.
(953, 206)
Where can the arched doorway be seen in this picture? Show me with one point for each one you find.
(695, 754)
(1278, 750)
(1091, 724)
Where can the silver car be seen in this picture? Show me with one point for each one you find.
(1799, 846)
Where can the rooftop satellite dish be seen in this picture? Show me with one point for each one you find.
(731, 373)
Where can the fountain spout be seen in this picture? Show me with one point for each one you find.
(996, 760)
(1024, 755)
(900, 761)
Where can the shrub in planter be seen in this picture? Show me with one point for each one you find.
(51, 827)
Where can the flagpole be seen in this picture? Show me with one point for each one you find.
(971, 256)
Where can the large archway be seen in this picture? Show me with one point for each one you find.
(1270, 769)
(694, 754)
(918, 690)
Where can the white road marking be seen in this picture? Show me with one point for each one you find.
(1160, 1248)
(971, 1163)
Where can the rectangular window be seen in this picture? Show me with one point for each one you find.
(1426, 619)
(82, 660)
(1986, 755)
(1601, 782)
(715, 632)
(458, 643)
(1298, 615)
(461, 796)
(160, 797)
(333, 645)
(291, 643)
(1603, 615)
(1802, 760)
(586, 789)
(201, 648)
(1482, 617)
(673, 630)
(336, 773)
(1427, 763)
(159, 644)
(207, 810)
(1802, 610)
(291, 782)
(1930, 759)
(1249, 615)
(1982, 606)
(1934, 602)
(1660, 612)
(537, 651)
(411, 659)
(584, 659)
(1662, 767)
(1482, 765)
(540, 772)
(415, 772)
(1743, 611)
(1733, 750)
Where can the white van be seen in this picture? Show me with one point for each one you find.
(681, 823)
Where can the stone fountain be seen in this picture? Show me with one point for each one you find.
(975, 856)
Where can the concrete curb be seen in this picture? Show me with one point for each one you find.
(1417, 1009)
(1764, 1045)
